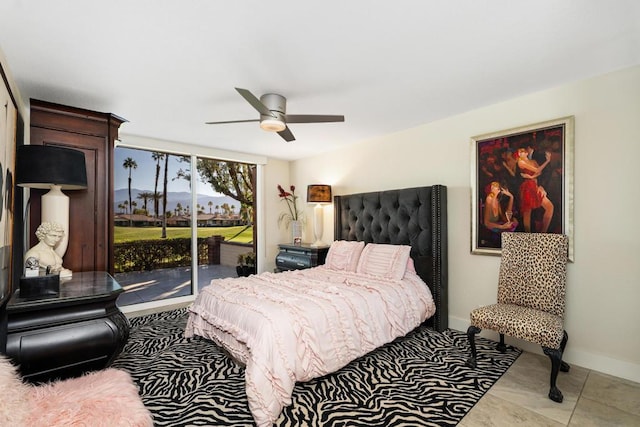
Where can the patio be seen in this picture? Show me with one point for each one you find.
(146, 286)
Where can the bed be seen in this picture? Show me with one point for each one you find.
(385, 274)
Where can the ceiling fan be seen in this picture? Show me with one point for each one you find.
(273, 114)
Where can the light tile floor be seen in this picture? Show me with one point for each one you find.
(591, 398)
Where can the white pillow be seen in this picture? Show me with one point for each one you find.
(388, 261)
(343, 255)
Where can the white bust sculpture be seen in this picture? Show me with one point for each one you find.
(49, 234)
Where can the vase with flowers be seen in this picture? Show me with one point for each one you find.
(292, 216)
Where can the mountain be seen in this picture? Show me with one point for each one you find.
(173, 198)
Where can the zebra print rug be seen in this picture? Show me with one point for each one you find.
(417, 380)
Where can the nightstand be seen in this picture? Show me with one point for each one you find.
(82, 329)
(297, 257)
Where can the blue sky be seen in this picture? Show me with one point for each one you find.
(143, 177)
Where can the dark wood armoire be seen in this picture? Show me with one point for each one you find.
(91, 210)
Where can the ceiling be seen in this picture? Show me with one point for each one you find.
(168, 66)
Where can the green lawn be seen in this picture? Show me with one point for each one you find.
(130, 234)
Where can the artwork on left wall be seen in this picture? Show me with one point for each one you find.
(8, 122)
(522, 180)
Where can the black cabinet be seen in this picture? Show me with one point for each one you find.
(297, 257)
(82, 329)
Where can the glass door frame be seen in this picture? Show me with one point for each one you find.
(195, 151)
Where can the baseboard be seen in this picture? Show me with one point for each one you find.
(604, 364)
(146, 308)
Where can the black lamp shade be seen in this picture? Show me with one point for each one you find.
(40, 166)
(317, 193)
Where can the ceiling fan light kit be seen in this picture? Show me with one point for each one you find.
(273, 114)
(271, 125)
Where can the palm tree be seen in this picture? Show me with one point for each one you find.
(210, 205)
(156, 201)
(145, 196)
(164, 198)
(121, 207)
(130, 164)
(158, 158)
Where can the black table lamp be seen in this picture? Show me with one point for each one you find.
(55, 168)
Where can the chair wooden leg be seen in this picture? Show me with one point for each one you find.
(471, 335)
(502, 348)
(556, 360)
(564, 366)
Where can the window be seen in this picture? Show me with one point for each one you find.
(175, 226)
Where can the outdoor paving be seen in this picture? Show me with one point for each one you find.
(146, 286)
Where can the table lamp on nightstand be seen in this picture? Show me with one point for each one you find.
(48, 167)
(318, 194)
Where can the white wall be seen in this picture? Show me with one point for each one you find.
(276, 173)
(603, 290)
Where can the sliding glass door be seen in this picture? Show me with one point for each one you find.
(175, 225)
(225, 223)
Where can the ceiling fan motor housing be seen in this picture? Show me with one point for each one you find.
(274, 102)
(277, 104)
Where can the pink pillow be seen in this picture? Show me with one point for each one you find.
(411, 267)
(343, 255)
(388, 261)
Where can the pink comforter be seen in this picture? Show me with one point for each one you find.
(299, 325)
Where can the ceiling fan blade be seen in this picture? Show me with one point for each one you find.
(255, 102)
(231, 121)
(287, 135)
(312, 118)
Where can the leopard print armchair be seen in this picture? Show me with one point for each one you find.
(531, 298)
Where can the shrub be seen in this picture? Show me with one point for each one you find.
(147, 255)
(248, 259)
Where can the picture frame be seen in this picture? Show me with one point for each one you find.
(522, 180)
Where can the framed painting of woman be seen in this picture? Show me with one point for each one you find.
(522, 180)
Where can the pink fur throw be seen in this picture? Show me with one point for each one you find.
(102, 398)
(13, 410)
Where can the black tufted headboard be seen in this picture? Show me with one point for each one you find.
(411, 216)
